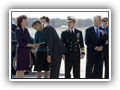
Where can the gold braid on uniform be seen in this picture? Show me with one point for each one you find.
(70, 20)
(83, 50)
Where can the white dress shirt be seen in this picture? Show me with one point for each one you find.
(95, 29)
(95, 32)
(72, 29)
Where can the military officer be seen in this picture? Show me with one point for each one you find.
(73, 40)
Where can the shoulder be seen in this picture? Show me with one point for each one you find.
(89, 28)
(18, 30)
(101, 28)
(47, 27)
(78, 30)
(65, 31)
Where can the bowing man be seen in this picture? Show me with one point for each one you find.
(55, 46)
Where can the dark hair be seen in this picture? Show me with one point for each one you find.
(45, 17)
(104, 18)
(35, 22)
(19, 20)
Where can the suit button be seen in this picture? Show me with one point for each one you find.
(70, 49)
(75, 49)
(70, 45)
(70, 42)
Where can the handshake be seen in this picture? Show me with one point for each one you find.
(35, 46)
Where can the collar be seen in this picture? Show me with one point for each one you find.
(95, 27)
(72, 29)
(45, 24)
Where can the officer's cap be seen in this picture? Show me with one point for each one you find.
(71, 19)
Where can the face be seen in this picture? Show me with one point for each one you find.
(38, 27)
(24, 22)
(71, 25)
(105, 22)
(43, 21)
(98, 21)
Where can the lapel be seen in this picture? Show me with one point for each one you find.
(69, 34)
(75, 33)
(93, 31)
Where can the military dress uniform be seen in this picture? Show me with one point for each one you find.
(75, 46)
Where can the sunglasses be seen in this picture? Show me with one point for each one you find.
(105, 20)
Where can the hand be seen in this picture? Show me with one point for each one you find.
(102, 32)
(82, 56)
(49, 59)
(35, 46)
(63, 57)
(99, 48)
(106, 43)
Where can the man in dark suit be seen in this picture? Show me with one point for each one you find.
(73, 40)
(95, 42)
(55, 46)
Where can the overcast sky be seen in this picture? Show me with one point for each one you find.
(62, 15)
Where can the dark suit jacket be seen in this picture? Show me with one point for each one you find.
(91, 42)
(56, 47)
(73, 43)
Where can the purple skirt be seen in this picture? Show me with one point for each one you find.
(23, 58)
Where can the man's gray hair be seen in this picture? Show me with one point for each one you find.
(96, 17)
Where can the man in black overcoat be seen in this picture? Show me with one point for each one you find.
(55, 46)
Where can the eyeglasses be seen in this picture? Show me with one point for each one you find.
(105, 20)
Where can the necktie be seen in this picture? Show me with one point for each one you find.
(72, 31)
(97, 33)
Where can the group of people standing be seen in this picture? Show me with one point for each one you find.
(51, 48)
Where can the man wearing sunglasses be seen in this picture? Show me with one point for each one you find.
(105, 50)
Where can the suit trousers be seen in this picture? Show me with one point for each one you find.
(76, 68)
(94, 67)
(106, 60)
(55, 68)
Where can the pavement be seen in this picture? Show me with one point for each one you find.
(62, 69)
